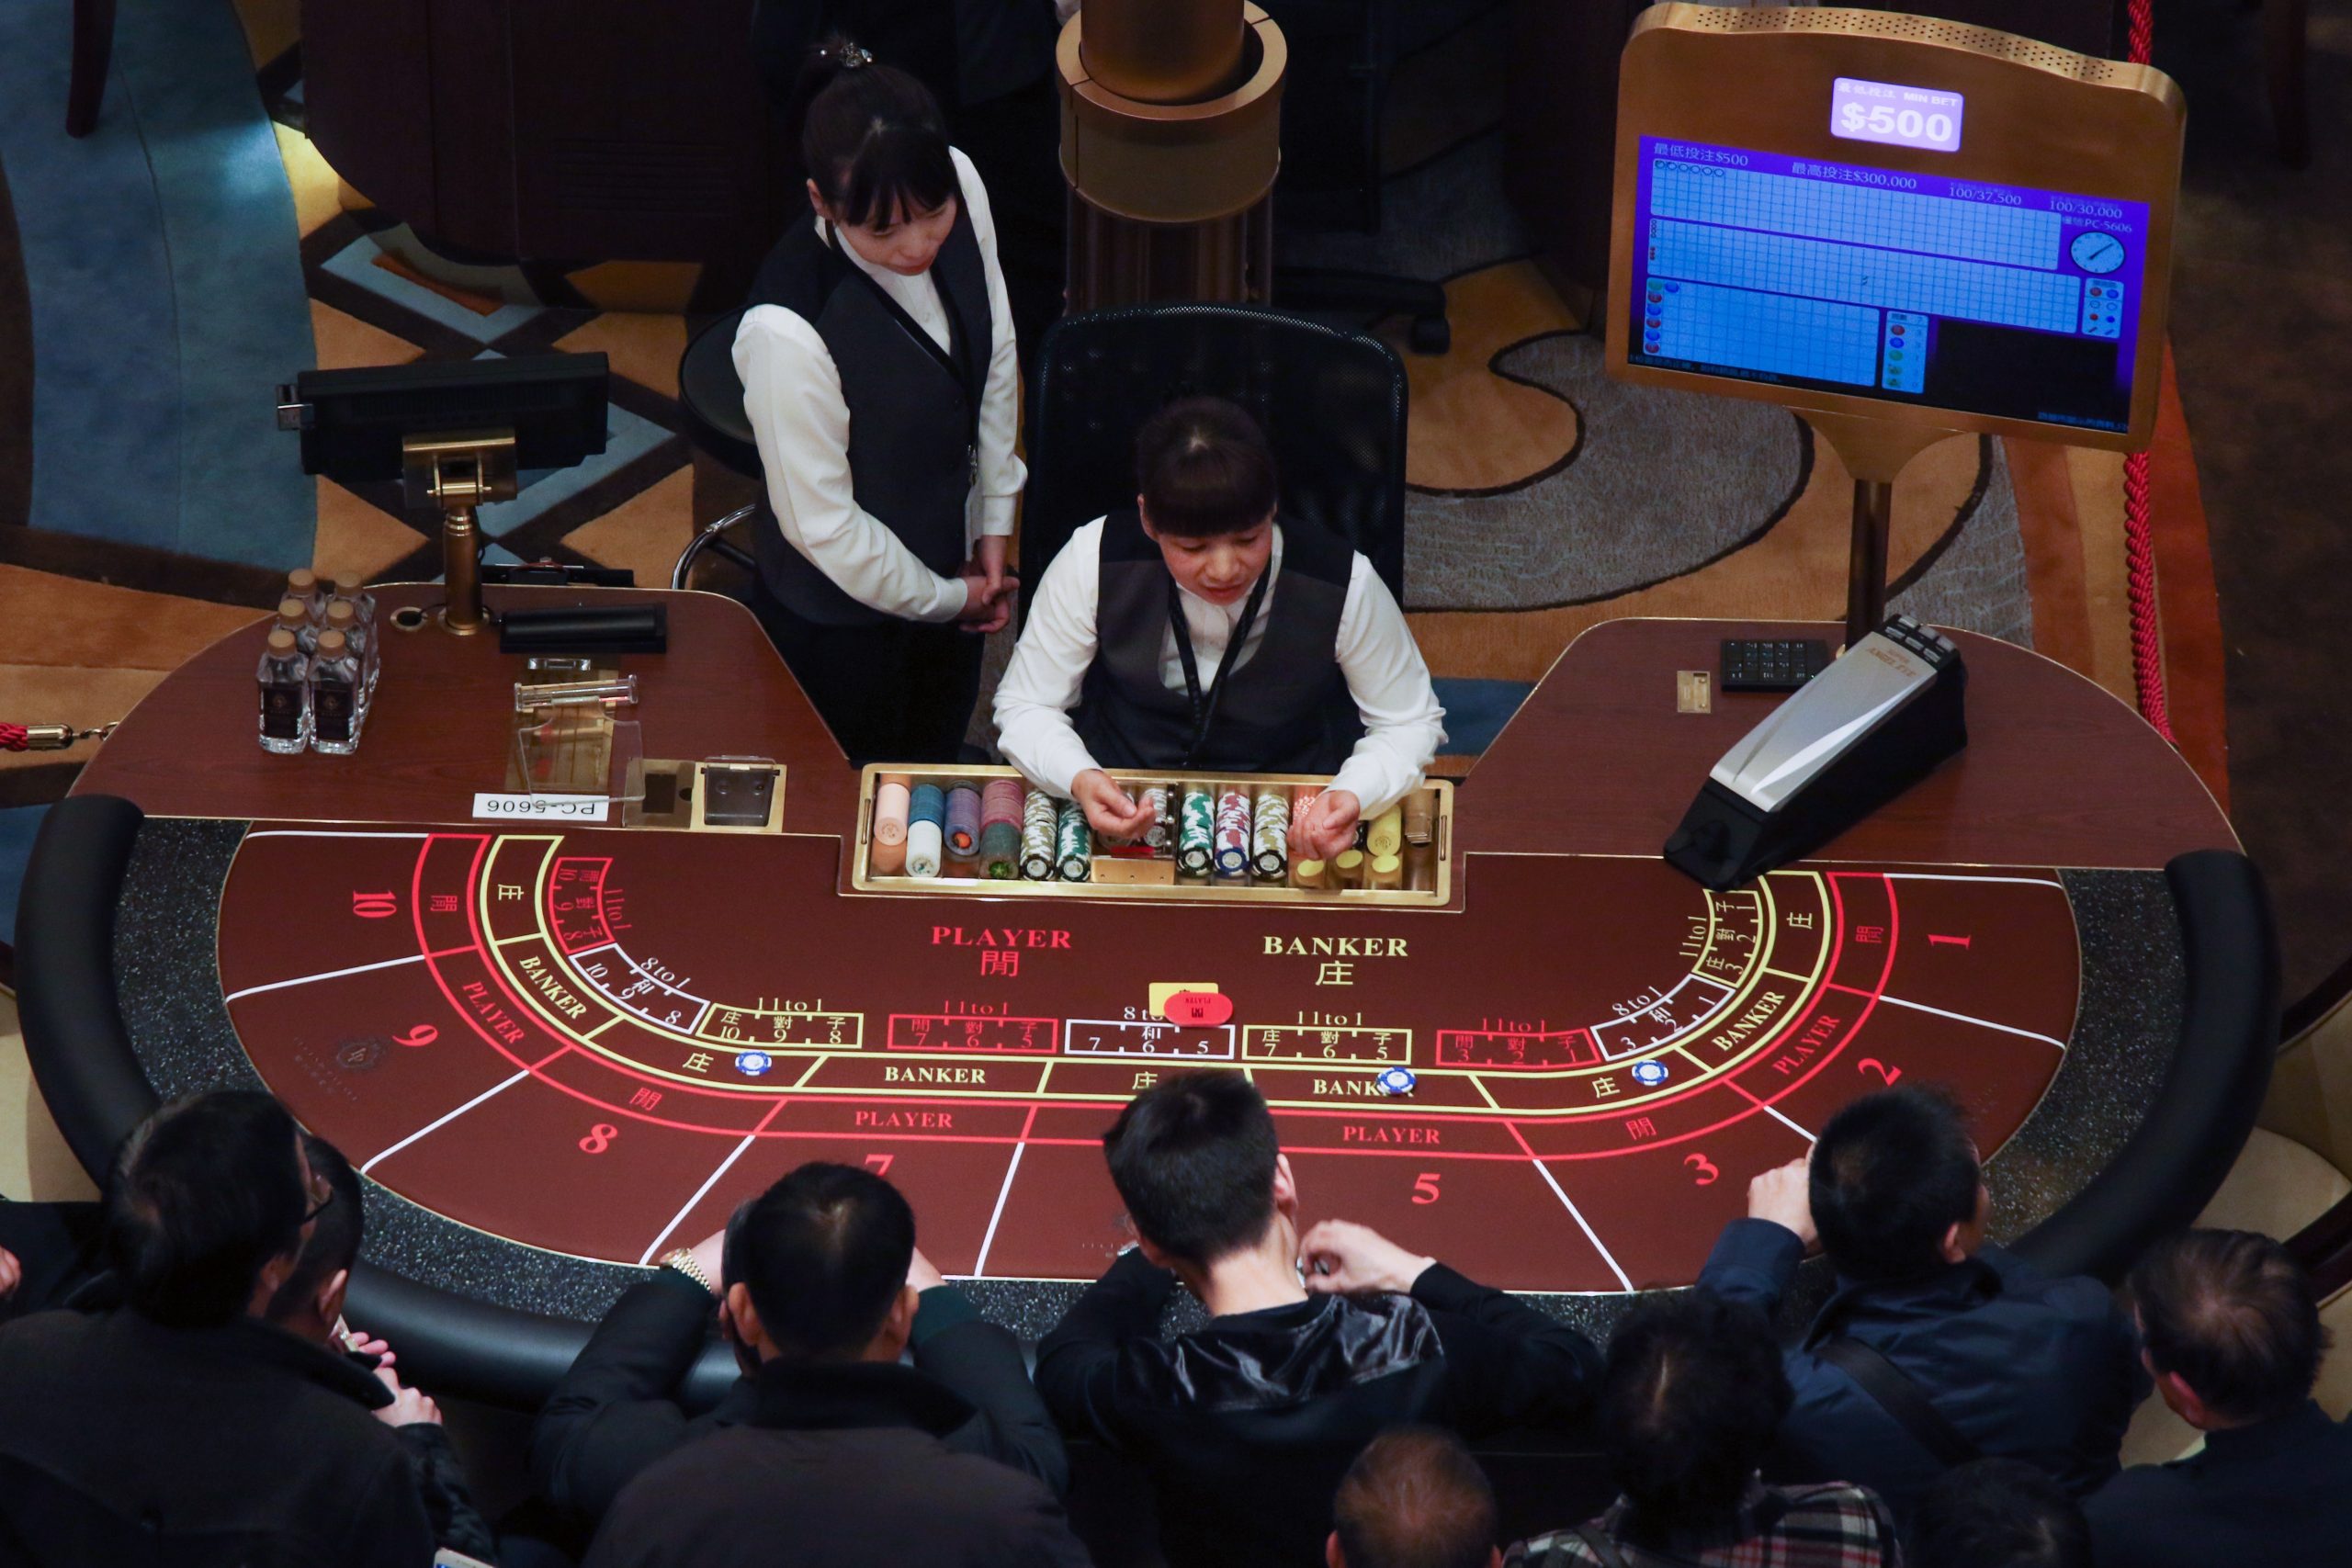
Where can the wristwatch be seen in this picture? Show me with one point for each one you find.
(681, 1258)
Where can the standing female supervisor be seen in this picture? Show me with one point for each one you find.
(881, 380)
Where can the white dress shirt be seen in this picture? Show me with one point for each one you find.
(1403, 724)
(792, 393)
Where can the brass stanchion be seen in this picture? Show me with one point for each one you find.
(460, 472)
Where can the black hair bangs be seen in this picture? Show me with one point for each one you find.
(898, 173)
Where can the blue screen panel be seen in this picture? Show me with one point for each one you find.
(1915, 288)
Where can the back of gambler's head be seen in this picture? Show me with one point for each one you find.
(1892, 1173)
(2235, 1317)
(1415, 1499)
(1998, 1513)
(824, 1253)
(1194, 1157)
(206, 1192)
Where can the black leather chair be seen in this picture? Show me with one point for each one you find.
(712, 396)
(1333, 403)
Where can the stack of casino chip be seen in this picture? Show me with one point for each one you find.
(1233, 823)
(963, 822)
(1159, 835)
(1196, 833)
(1001, 830)
(1269, 835)
(1073, 844)
(1038, 816)
(926, 813)
(891, 799)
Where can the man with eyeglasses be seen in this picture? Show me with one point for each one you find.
(195, 1419)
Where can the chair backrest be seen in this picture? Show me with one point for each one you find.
(1333, 403)
(712, 396)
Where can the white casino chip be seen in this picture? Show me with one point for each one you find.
(1650, 1072)
(752, 1063)
(1396, 1080)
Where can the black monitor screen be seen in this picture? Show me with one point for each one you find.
(353, 422)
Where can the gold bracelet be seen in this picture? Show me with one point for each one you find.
(681, 1258)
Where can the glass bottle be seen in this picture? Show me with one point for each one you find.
(336, 712)
(285, 693)
(344, 616)
(362, 602)
(294, 615)
(363, 612)
(304, 583)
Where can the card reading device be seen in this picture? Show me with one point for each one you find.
(1902, 227)
(1854, 737)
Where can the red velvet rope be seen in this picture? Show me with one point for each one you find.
(2139, 530)
(13, 737)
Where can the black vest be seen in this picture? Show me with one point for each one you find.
(1288, 710)
(914, 409)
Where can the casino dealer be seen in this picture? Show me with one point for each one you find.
(1202, 631)
(880, 381)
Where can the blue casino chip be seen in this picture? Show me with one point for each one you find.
(752, 1063)
(1396, 1080)
(1651, 1074)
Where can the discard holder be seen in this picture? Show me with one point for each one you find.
(1857, 735)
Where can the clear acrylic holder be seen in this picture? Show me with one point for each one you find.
(582, 751)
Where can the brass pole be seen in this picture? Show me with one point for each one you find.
(461, 570)
(1866, 568)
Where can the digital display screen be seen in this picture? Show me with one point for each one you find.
(1898, 116)
(1994, 299)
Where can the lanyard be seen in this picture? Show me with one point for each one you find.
(1204, 709)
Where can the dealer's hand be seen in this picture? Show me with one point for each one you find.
(1327, 826)
(1111, 812)
(1784, 1196)
(1339, 1255)
(920, 1274)
(989, 589)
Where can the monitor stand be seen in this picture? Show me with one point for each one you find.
(1874, 451)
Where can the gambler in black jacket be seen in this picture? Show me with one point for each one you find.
(617, 1410)
(1248, 1424)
